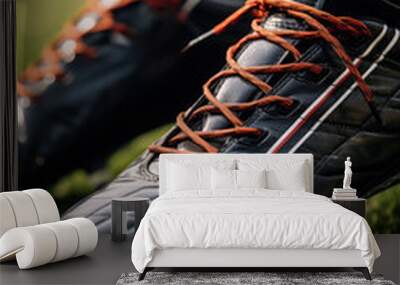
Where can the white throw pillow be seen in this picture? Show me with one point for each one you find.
(225, 179)
(186, 175)
(181, 177)
(251, 179)
(281, 175)
(293, 180)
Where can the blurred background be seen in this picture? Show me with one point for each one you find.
(38, 23)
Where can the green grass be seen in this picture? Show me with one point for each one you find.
(123, 157)
(79, 183)
(383, 211)
(39, 22)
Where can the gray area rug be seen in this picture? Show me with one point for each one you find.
(243, 278)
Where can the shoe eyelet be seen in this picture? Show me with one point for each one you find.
(284, 111)
(24, 102)
(315, 78)
(38, 87)
(292, 108)
(87, 22)
(253, 139)
(67, 49)
(109, 3)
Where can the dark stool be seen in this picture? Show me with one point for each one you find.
(120, 206)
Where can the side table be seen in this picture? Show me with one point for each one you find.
(120, 206)
(357, 205)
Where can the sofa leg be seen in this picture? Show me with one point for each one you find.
(142, 275)
(364, 271)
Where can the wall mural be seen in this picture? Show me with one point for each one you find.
(102, 94)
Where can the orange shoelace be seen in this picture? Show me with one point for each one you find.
(260, 10)
(50, 64)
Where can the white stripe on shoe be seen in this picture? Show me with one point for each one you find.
(306, 115)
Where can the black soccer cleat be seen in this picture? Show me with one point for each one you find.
(304, 81)
(116, 71)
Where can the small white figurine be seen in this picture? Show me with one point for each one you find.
(347, 174)
(345, 193)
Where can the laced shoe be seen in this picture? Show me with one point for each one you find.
(302, 81)
(115, 71)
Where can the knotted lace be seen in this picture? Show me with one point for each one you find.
(321, 24)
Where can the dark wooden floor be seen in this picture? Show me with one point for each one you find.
(110, 260)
